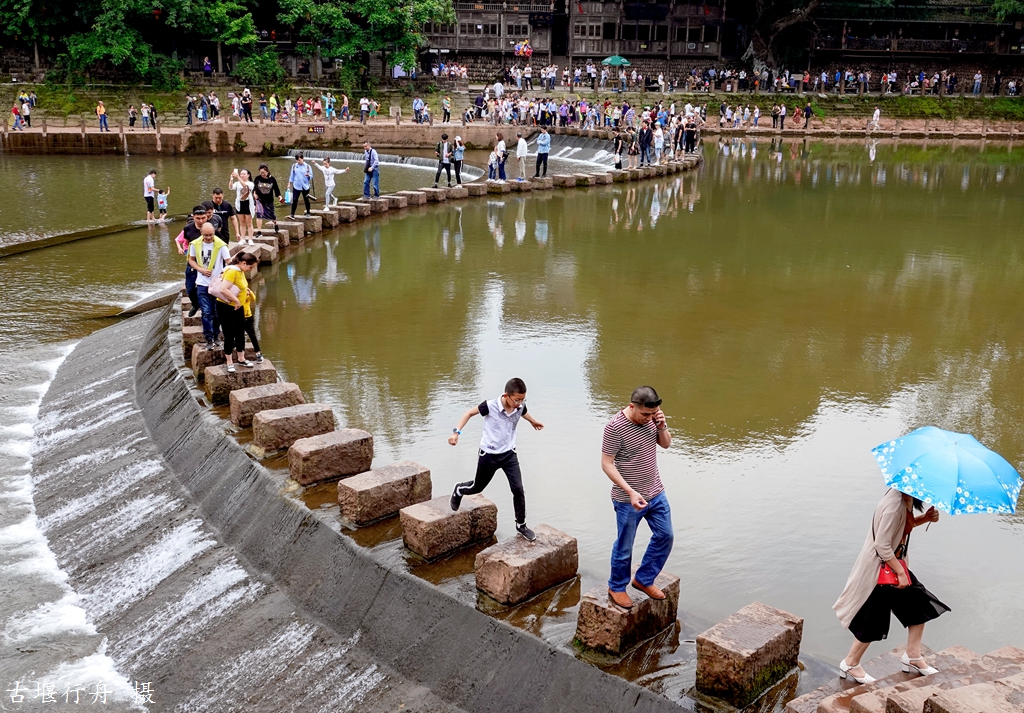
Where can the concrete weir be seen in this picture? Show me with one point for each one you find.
(226, 595)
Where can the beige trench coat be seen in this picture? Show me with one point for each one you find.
(889, 521)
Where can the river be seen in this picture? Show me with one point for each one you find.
(794, 304)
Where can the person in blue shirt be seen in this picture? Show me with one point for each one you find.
(371, 170)
(417, 110)
(543, 149)
(457, 157)
(300, 181)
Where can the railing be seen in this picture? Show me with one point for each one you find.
(906, 45)
(868, 43)
(502, 7)
(694, 48)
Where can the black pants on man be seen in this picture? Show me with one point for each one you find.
(542, 160)
(296, 192)
(447, 168)
(486, 467)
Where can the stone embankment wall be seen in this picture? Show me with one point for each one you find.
(208, 582)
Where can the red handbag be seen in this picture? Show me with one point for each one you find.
(887, 576)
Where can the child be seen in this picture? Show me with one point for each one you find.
(161, 202)
(492, 166)
(498, 448)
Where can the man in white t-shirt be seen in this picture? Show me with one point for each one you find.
(364, 109)
(522, 151)
(207, 255)
(149, 193)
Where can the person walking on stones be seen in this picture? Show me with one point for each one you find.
(371, 171)
(329, 173)
(190, 233)
(865, 606)
(245, 204)
(207, 255)
(629, 458)
(543, 150)
(443, 151)
(498, 448)
(299, 182)
(149, 193)
(233, 307)
(266, 189)
(522, 151)
(458, 156)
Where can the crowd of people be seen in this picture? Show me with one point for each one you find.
(206, 107)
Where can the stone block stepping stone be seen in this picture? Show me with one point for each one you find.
(457, 193)
(219, 383)
(602, 179)
(280, 237)
(191, 336)
(413, 197)
(521, 186)
(266, 254)
(584, 179)
(328, 218)
(266, 238)
(603, 626)
(280, 427)
(619, 176)
(1000, 696)
(361, 207)
(345, 214)
(396, 201)
(379, 205)
(495, 187)
(329, 456)
(246, 403)
(634, 174)
(563, 180)
(515, 570)
(203, 358)
(744, 655)
(432, 529)
(296, 230)
(435, 195)
(542, 183)
(195, 320)
(476, 189)
(311, 223)
(382, 492)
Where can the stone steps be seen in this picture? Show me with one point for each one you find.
(878, 667)
(279, 428)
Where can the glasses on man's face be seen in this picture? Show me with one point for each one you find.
(517, 401)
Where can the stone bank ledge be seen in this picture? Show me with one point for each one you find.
(464, 657)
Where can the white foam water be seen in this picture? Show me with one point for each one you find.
(40, 612)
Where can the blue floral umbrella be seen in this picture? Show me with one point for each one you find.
(951, 471)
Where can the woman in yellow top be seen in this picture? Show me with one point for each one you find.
(233, 315)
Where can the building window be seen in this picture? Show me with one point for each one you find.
(593, 31)
(643, 33)
(608, 31)
(518, 31)
(711, 33)
(694, 35)
(661, 33)
(629, 32)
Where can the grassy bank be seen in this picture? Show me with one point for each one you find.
(68, 105)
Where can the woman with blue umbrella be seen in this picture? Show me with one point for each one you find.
(948, 471)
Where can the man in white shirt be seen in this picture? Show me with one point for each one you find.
(522, 151)
(364, 109)
(149, 193)
(207, 255)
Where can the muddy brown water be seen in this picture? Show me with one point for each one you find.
(795, 305)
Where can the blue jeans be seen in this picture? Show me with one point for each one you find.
(375, 178)
(659, 518)
(103, 123)
(208, 306)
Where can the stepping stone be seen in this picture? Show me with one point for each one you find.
(919, 688)
(435, 195)
(316, 459)
(584, 179)
(741, 657)
(495, 187)
(344, 213)
(476, 188)
(296, 229)
(280, 237)
(191, 336)
(361, 207)
(219, 383)
(379, 205)
(413, 197)
(603, 626)
(515, 570)
(311, 223)
(432, 529)
(634, 174)
(521, 186)
(382, 492)
(246, 403)
(619, 176)
(264, 253)
(194, 321)
(457, 193)
(880, 667)
(1002, 696)
(562, 180)
(396, 201)
(266, 238)
(602, 179)
(203, 358)
(328, 218)
(280, 427)
(660, 170)
(542, 183)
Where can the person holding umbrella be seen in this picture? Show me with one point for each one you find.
(950, 471)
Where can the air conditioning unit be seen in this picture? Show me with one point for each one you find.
(691, 45)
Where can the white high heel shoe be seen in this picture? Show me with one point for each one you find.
(909, 666)
(844, 672)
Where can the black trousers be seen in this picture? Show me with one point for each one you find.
(542, 160)
(232, 321)
(486, 467)
(912, 606)
(447, 168)
(295, 199)
(250, 330)
(458, 171)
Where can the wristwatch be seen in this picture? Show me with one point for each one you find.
(457, 431)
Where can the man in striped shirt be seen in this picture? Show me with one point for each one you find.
(630, 460)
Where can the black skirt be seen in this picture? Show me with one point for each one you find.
(912, 605)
